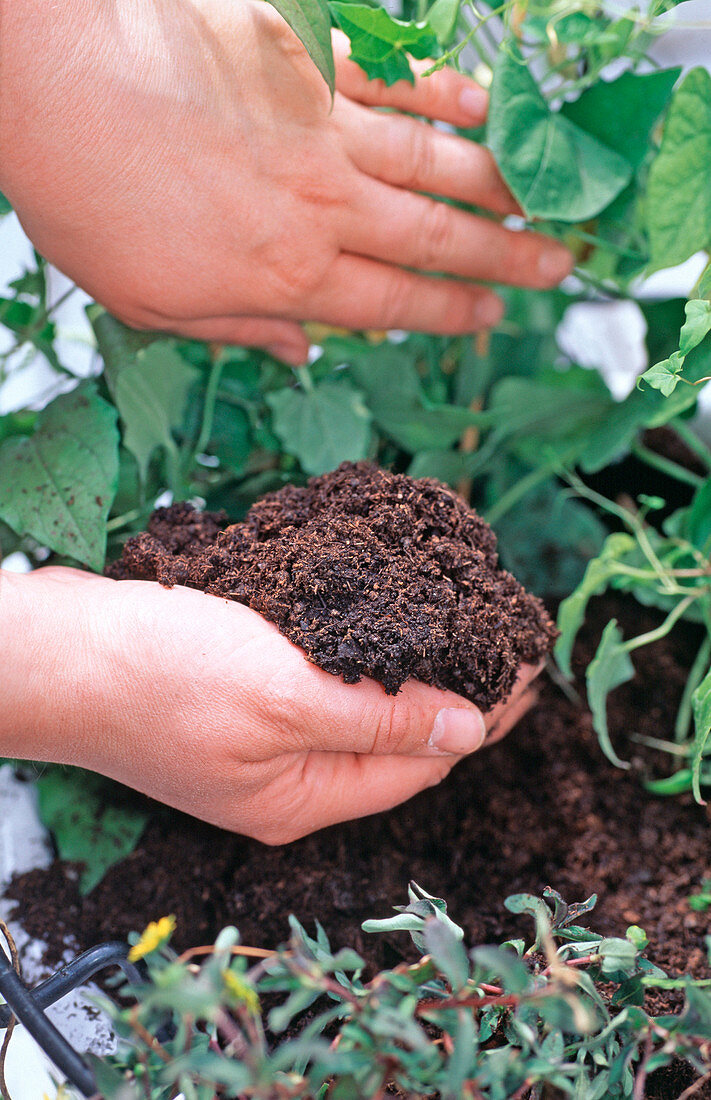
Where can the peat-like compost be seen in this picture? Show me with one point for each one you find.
(370, 573)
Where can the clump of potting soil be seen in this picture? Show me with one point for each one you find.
(370, 573)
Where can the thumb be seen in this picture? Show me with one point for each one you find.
(418, 721)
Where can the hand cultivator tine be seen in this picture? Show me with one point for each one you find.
(28, 1005)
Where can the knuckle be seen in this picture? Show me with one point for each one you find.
(418, 165)
(394, 730)
(436, 238)
(396, 300)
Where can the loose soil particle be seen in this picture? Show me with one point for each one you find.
(370, 573)
(543, 807)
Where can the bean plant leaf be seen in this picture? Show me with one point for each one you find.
(610, 667)
(58, 484)
(442, 18)
(678, 203)
(310, 22)
(665, 375)
(87, 828)
(555, 169)
(380, 44)
(151, 394)
(597, 576)
(621, 113)
(400, 407)
(323, 426)
(701, 703)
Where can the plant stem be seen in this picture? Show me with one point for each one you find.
(666, 465)
(661, 631)
(208, 410)
(692, 441)
(696, 675)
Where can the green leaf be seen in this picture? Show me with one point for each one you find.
(445, 947)
(548, 539)
(399, 406)
(610, 667)
(5, 207)
(151, 394)
(572, 610)
(678, 205)
(309, 20)
(322, 426)
(701, 703)
(118, 344)
(381, 44)
(621, 113)
(58, 484)
(73, 806)
(665, 375)
(442, 18)
(617, 955)
(698, 520)
(555, 170)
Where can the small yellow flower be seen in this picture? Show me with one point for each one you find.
(156, 934)
(238, 988)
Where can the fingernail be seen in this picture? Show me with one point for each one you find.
(457, 731)
(554, 264)
(473, 101)
(490, 311)
(288, 353)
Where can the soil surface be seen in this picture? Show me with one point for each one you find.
(370, 573)
(543, 807)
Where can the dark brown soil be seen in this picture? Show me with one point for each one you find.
(371, 573)
(544, 807)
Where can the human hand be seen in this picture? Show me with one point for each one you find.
(202, 704)
(180, 160)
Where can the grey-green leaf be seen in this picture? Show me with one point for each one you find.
(322, 426)
(610, 667)
(310, 22)
(58, 484)
(678, 204)
(554, 169)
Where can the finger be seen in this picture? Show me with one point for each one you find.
(445, 95)
(511, 715)
(399, 227)
(325, 788)
(411, 154)
(284, 340)
(362, 293)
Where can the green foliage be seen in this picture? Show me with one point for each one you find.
(86, 827)
(58, 483)
(678, 200)
(669, 571)
(322, 425)
(564, 1014)
(380, 44)
(554, 168)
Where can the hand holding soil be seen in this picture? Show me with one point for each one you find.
(187, 170)
(199, 702)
